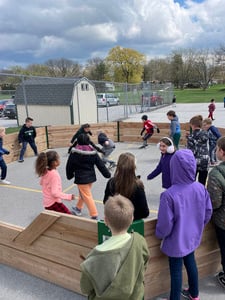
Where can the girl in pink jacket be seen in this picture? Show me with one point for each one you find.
(46, 168)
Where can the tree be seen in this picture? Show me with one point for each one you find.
(126, 65)
(96, 69)
(157, 70)
(182, 67)
(206, 67)
(63, 68)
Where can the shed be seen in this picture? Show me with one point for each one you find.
(56, 101)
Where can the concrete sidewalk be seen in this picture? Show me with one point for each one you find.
(24, 204)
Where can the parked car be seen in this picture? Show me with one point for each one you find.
(151, 99)
(2, 106)
(10, 111)
(106, 99)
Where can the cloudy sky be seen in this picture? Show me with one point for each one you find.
(34, 31)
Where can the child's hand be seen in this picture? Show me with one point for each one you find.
(73, 197)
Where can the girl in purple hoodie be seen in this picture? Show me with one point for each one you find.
(185, 208)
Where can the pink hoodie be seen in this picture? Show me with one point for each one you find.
(52, 188)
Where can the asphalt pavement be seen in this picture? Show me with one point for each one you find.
(21, 203)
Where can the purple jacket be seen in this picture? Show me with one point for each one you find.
(185, 208)
(164, 168)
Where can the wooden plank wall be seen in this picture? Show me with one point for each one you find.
(54, 244)
(11, 143)
(60, 136)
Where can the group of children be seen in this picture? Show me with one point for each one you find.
(183, 202)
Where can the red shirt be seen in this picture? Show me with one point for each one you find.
(149, 126)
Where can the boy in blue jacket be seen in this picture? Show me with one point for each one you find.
(214, 135)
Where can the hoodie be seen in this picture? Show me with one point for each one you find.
(185, 208)
(116, 273)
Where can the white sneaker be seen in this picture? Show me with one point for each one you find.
(4, 181)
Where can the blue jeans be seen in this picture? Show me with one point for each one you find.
(176, 264)
(24, 148)
(3, 168)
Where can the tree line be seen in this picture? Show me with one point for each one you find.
(196, 68)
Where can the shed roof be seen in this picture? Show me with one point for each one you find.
(47, 91)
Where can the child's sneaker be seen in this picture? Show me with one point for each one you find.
(76, 211)
(185, 293)
(4, 181)
(221, 278)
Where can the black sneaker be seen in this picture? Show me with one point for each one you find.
(185, 293)
(221, 279)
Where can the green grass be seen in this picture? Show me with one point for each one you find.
(199, 96)
(12, 129)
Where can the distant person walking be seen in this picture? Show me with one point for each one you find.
(27, 135)
(175, 131)
(174, 101)
(3, 151)
(211, 108)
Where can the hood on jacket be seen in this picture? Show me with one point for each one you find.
(182, 167)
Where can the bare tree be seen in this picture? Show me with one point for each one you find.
(206, 67)
(63, 68)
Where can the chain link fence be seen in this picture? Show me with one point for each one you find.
(121, 99)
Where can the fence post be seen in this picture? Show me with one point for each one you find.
(46, 134)
(118, 131)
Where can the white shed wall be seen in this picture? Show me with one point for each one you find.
(84, 104)
(45, 114)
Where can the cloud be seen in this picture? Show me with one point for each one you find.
(35, 31)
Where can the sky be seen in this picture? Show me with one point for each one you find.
(32, 32)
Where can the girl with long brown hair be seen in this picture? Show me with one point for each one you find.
(126, 183)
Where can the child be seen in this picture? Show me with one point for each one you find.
(216, 188)
(115, 269)
(185, 208)
(174, 101)
(214, 134)
(148, 126)
(166, 147)
(81, 166)
(211, 108)
(126, 183)
(84, 129)
(197, 142)
(175, 132)
(3, 151)
(46, 168)
(108, 147)
(27, 135)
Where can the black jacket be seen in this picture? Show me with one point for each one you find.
(81, 166)
(138, 199)
(27, 134)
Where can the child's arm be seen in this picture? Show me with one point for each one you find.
(85, 283)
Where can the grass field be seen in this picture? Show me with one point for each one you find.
(199, 96)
